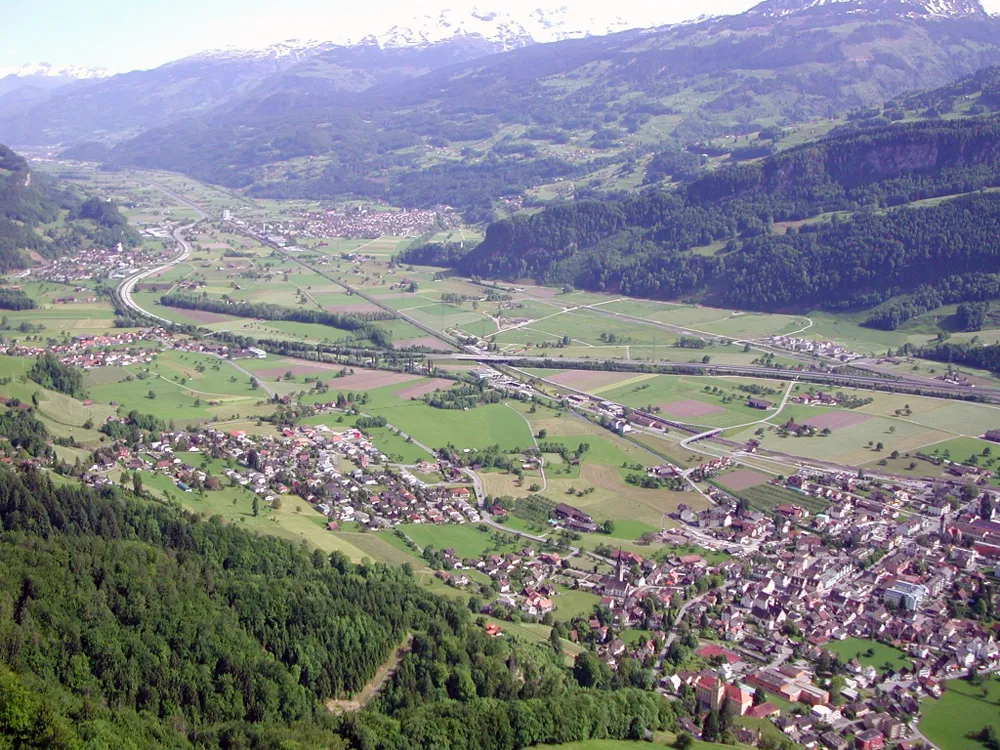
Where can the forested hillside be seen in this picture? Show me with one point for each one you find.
(27, 202)
(130, 624)
(779, 244)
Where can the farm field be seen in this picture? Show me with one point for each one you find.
(767, 497)
(849, 441)
(598, 484)
(685, 398)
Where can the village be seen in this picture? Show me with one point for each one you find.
(748, 625)
(354, 222)
(130, 347)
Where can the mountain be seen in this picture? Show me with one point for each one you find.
(118, 107)
(871, 8)
(503, 30)
(473, 133)
(770, 234)
(28, 203)
(46, 76)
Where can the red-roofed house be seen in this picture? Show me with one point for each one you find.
(736, 701)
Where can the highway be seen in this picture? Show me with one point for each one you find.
(901, 385)
(127, 286)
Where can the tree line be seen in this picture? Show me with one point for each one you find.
(361, 325)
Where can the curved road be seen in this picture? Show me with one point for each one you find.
(127, 286)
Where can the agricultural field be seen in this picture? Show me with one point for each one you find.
(767, 497)
(182, 387)
(853, 440)
(704, 402)
(598, 484)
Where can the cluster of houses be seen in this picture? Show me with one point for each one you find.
(359, 222)
(87, 351)
(342, 474)
(811, 346)
(127, 347)
(93, 263)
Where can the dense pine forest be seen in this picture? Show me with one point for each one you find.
(822, 225)
(131, 624)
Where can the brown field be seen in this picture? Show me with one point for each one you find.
(420, 389)
(689, 407)
(584, 380)
(742, 478)
(429, 341)
(362, 380)
(837, 420)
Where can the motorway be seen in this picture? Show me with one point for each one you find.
(901, 385)
(127, 286)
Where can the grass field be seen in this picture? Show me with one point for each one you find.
(962, 709)
(465, 539)
(295, 520)
(856, 648)
(850, 444)
(570, 604)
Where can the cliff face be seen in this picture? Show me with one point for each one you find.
(855, 160)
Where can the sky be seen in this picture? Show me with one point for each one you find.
(123, 35)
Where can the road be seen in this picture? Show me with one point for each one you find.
(127, 286)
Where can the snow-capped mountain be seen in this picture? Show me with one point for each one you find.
(47, 70)
(505, 29)
(288, 51)
(899, 8)
(499, 30)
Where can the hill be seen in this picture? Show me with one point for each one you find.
(131, 624)
(29, 203)
(778, 228)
